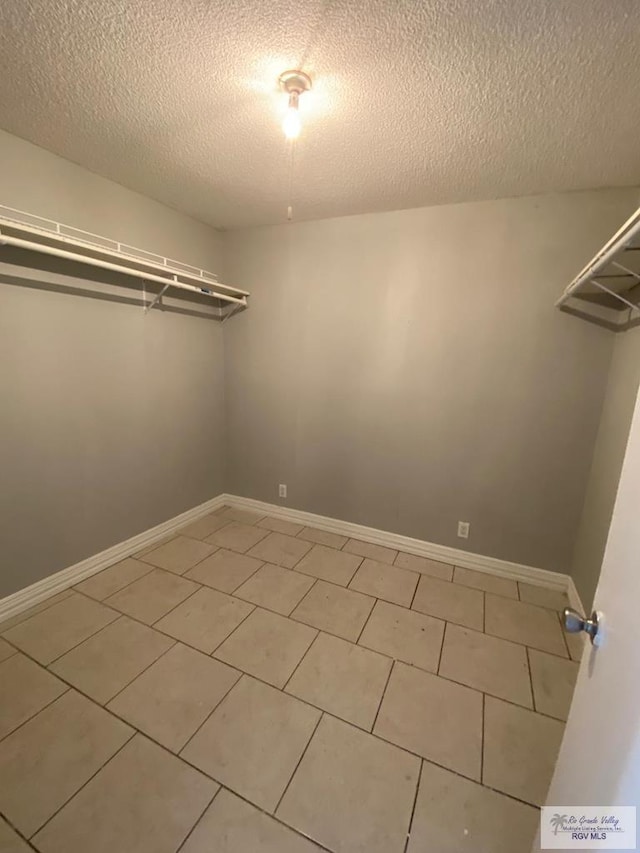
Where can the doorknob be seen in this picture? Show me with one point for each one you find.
(574, 623)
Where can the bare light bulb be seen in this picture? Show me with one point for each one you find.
(292, 124)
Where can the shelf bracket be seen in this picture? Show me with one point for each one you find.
(157, 297)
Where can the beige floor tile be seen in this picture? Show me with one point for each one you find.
(31, 611)
(54, 631)
(5, 650)
(116, 577)
(329, 565)
(384, 581)
(10, 841)
(552, 598)
(205, 620)
(152, 596)
(231, 825)
(520, 750)
(108, 661)
(433, 717)
(268, 646)
(335, 610)
(279, 525)
(524, 623)
(236, 536)
(204, 527)
(486, 582)
(352, 792)
(275, 588)
(494, 666)
(404, 635)
(144, 801)
(253, 741)
(46, 761)
(453, 814)
(323, 537)
(280, 549)
(424, 566)
(244, 516)
(553, 681)
(152, 546)
(343, 679)
(175, 695)
(368, 549)
(179, 555)
(224, 570)
(452, 602)
(25, 689)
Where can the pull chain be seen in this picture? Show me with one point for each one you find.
(292, 152)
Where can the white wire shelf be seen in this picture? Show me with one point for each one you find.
(608, 288)
(46, 236)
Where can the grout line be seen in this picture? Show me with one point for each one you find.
(22, 837)
(142, 672)
(76, 588)
(205, 809)
(241, 584)
(366, 622)
(413, 809)
(415, 592)
(533, 695)
(444, 634)
(35, 713)
(232, 632)
(207, 718)
(148, 624)
(134, 732)
(270, 815)
(175, 607)
(375, 719)
(83, 640)
(323, 630)
(305, 702)
(299, 762)
(321, 710)
(297, 666)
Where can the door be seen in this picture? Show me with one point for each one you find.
(599, 760)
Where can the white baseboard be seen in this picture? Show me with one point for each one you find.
(51, 585)
(442, 553)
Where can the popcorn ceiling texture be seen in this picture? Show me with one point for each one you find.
(415, 102)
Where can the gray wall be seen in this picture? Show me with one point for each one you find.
(408, 370)
(608, 456)
(111, 421)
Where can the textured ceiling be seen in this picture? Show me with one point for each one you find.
(415, 102)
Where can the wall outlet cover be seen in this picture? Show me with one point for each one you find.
(282, 490)
(463, 529)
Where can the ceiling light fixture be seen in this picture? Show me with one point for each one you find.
(294, 83)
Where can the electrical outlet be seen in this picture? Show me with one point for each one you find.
(463, 529)
(282, 490)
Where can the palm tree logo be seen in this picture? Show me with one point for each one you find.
(557, 822)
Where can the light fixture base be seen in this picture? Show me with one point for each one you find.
(294, 82)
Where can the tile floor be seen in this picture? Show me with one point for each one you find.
(255, 685)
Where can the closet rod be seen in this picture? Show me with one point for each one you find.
(8, 240)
